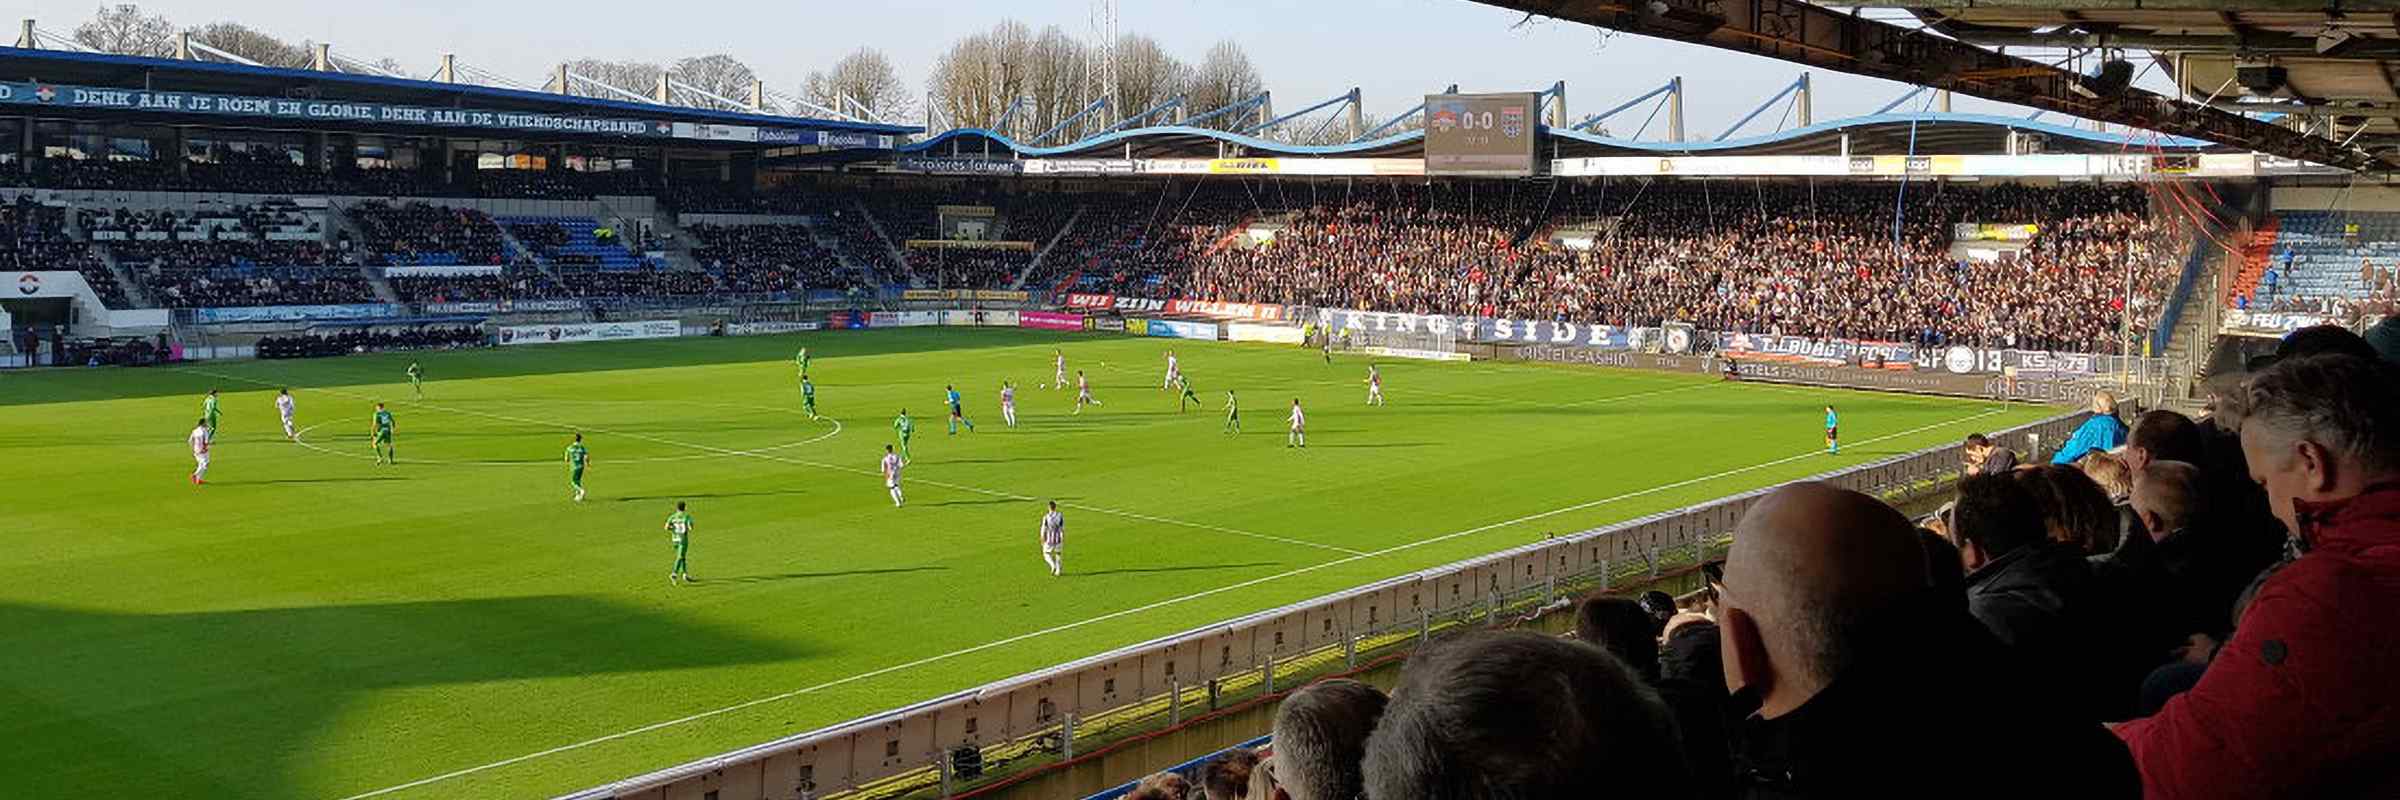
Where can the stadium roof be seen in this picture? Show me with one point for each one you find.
(1877, 134)
(136, 73)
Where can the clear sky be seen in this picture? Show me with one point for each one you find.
(1395, 50)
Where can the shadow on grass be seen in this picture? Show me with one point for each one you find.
(1183, 568)
(312, 480)
(234, 703)
(797, 576)
(710, 496)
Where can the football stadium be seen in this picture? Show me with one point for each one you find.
(557, 435)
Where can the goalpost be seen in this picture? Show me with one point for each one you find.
(1423, 342)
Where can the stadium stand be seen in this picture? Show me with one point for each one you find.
(33, 236)
(571, 242)
(751, 259)
(2325, 262)
(420, 234)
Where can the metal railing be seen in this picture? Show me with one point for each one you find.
(1053, 712)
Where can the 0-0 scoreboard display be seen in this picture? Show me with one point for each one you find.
(1480, 134)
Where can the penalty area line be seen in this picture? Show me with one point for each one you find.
(1122, 613)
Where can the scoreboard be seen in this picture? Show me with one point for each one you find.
(1480, 134)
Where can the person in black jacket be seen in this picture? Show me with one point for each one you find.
(1856, 682)
(2039, 597)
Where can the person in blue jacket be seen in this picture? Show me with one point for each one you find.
(2102, 433)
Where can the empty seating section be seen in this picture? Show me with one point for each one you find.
(2328, 262)
(34, 238)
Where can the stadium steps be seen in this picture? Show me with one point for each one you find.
(512, 248)
(832, 244)
(1036, 264)
(383, 288)
(135, 292)
(892, 248)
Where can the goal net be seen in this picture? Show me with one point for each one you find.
(1427, 342)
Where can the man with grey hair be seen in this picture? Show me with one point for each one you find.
(1843, 660)
(1515, 715)
(2301, 702)
(1320, 737)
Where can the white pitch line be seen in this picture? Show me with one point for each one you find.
(1485, 398)
(879, 672)
(822, 465)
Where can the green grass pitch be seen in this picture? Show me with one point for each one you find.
(312, 624)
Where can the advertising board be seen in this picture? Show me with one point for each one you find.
(589, 332)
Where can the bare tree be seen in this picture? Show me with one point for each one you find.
(638, 77)
(1056, 80)
(1146, 76)
(124, 30)
(1225, 76)
(865, 75)
(980, 76)
(719, 74)
(253, 44)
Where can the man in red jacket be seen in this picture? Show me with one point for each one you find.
(2305, 699)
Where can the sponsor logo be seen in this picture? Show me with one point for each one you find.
(29, 283)
(1959, 359)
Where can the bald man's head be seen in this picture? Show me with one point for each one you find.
(1810, 564)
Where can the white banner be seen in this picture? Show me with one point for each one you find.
(1407, 352)
(1254, 332)
(441, 271)
(590, 332)
(903, 319)
(980, 318)
(769, 328)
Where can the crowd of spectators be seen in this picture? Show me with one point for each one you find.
(2199, 611)
(750, 259)
(34, 238)
(255, 220)
(417, 234)
(513, 283)
(967, 267)
(243, 272)
(1819, 260)
(368, 340)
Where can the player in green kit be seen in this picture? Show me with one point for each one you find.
(416, 380)
(1188, 400)
(679, 531)
(385, 451)
(208, 413)
(801, 359)
(576, 457)
(1233, 413)
(905, 427)
(808, 397)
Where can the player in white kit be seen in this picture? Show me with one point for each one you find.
(1054, 540)
(199, 440)
(1058, 368)
(1008, 403)
(283, 406)
(1083, 392)
(1374, 386)
(891, 473)
(1173, 370)
(1299, 434)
